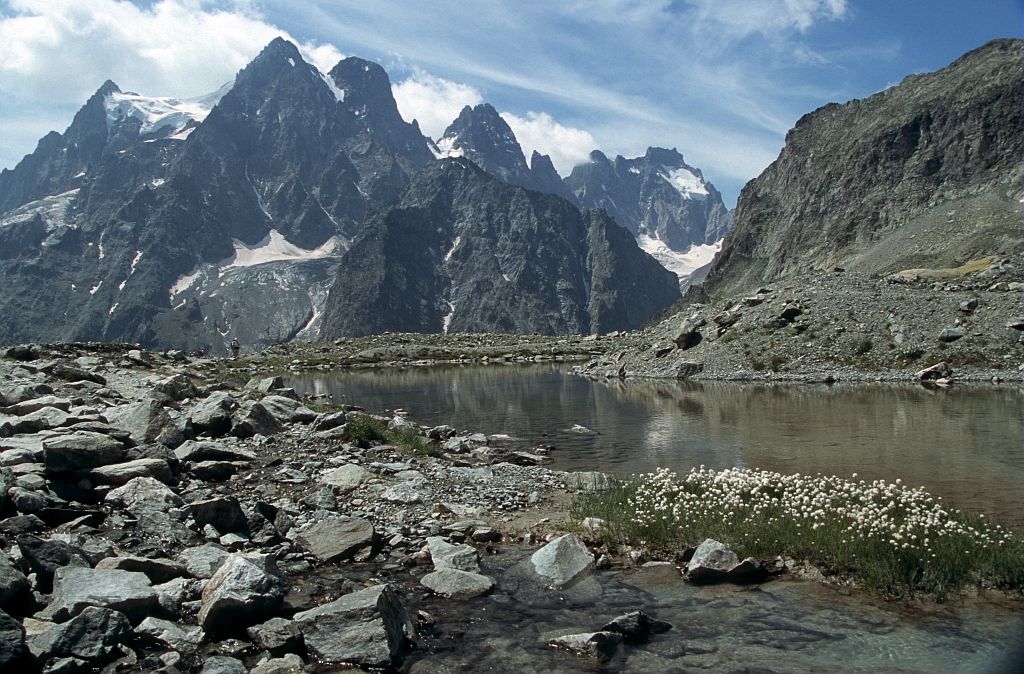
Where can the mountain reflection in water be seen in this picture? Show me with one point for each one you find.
(965, 444)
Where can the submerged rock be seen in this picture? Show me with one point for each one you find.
(597, 646)
(636, 626)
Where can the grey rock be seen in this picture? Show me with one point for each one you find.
(688, 334)
(157, 570)
(122, 473)
(597, 646)
(447, 556)
(203, 561)
(176, 592)
(344, 478)
(144, 494)
(252, 418)
(276, 635)
(366, 628)
(76, 588)
(562, 560)
(328, 421)
(213, 471)
(636, 626)
(223, 664)
(170, 634)
(81, 449)
(223, 513)
(938, 371)
(45, 557)
(212, 415)
(686, 369)
(208, 450)
(14, 654)
(415, 490)
(243, 591)
(39, 420)
(15, 591)
(969, 306)
(265, 384)
(711, 562)
(176, 387)
(288, 664)
(286, 410)
(146, 421)
(92, 635)
(951, 334)
(458, 584)
(335, 539)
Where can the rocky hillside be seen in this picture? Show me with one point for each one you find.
(466, 252)
(925, 174)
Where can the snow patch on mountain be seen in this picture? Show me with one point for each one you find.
(53, 210)
(446, 148)
(684, 263)
(156, 113)
(684, 180)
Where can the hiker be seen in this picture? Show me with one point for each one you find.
(235, 347)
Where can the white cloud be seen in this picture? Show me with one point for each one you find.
(433, 101)
(740, 18)
(58, 52)
(567, 146)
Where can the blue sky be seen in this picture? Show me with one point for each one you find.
(720, 80)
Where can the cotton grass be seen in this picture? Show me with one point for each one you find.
(884, 535)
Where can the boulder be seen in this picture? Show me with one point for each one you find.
(265, 384)
(335, 539)
(287, 664)
(158, 570)
(414, 490)
(223, 664)
(951, 334)
(562, 560)
(15, 590)
(688, 335)
(77, 588)
(45, 557)
(93, 635)
(287, 411)
(344, 478)
(143, 494)
(146, 421)
(636, 626)
(366, 628)
(277, 636)
(122, 473)
(969, 306)
(170, 634)
(39, 420)
(253, 418)
(938, 371)
(448, 556)
(14, 655)
(203, 561)
(176, 387)
(72, 373)
(711, 562)
(224, 513)
(208, 450)
(687, 369)
(597, 646)
(458, 584)
(213, 471)
(242, 592)
(80, 449)
(328, 421)
(212, 415)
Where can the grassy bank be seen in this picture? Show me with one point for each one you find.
(886, 536)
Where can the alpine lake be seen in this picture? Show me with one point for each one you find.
(965, 444)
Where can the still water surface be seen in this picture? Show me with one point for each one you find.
(965, 444)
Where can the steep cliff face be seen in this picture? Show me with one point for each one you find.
(465, 252)
(927, 173)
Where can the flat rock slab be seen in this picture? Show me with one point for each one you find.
(210, 450)
(366, 628)
(458, 584)
(562, 560)
(122, 473)
(157, 570)
(81, 449)
(76, 588)
(203, 561)
(144, 494)
(335, 539)
(344, 478)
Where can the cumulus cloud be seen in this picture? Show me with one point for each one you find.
(433, 101)
(55, 53)
(538, 131)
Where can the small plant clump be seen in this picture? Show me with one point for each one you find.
(885, 535)
(362, 430)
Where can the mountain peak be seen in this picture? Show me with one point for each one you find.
(106, 89)
(660, 155)
(480, 134)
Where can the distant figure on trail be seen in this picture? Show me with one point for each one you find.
(235, 347)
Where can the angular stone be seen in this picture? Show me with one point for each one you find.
(277, 635)
(286, 410)
(288, 664)
(328, 421)
(687, 369)
(458, 584)
(203, 561)
(176, 387)
(39, 420)
(366, 628)
(344, 478)
(951, 334)
(711, 562)
(596, 646)
(264, 385)
(76, 588)
(254, 419)
(45, 557)
(170, 634)
(212, 415)
(93, 635)
(415, 490)
(23, 407)
(562, 560)
(335, 539)
(224, 513)
(243, 591)
(14, 654)
(80, 449)
(207, 450)
(688, 335)
(223, 664)
(157, 570)
(71, 373)
(145, 420)
(213, 471)
(448, 556)
(122, 473)
(144, 494)
(15, 591)
(636, 626)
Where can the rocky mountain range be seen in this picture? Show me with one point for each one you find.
(184, 223)
(926, 174)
